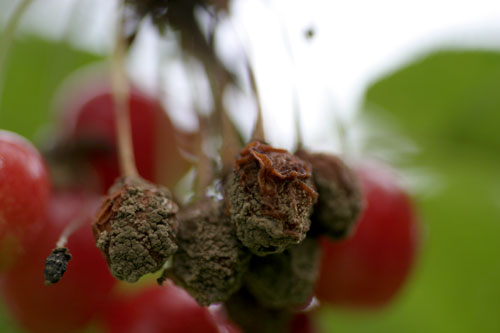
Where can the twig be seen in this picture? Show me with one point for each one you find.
(258, 132)
(120, 86)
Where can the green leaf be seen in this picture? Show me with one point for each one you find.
(34, 69)
(449, 96)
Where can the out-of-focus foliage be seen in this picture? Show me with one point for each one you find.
(6, 324)
(34, 70)
(449, 104)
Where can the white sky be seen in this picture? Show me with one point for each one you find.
(356, 41)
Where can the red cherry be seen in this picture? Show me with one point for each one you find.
(166, 309)
(368, 269)
(88, 116)
(24, 193)
(83, 291)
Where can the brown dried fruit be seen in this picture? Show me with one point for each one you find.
(210, 262)
(56, 264)
(340, 200)
(271, 194)
(285, 280)
(136, 228)
(251, 316)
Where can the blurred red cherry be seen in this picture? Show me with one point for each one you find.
(165, 309)
(88, 117)
(83, 291)
(24, 193)
(368, 269)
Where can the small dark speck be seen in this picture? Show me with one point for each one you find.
(309, 33)
(55, 265)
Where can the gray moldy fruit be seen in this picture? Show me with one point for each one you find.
(340, 200)
(271, 194)
(210, 262)
(136, 228)
(285, 280)
(251, 316)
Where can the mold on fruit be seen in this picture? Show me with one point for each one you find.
(285, 280)
(136, 228)
(210, 262)
(271, 194)
(340, 200)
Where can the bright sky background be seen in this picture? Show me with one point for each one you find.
(355, 42)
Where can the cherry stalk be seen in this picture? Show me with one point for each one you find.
(121, 92)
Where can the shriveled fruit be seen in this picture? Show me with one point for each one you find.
(285, 280)
(251, 316)
(136, 228)
(368, 269)
(211, 262)
(271, 196)
(340, 200)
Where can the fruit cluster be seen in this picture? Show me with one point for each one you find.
(285, 228)
(278, 232)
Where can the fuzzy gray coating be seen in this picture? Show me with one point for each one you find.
(136, 228)
(211, 262)
(340, 199)
(251, 316)
(285, 280)
(271, 194)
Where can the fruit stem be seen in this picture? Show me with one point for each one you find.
(225, 127)
(8, 35)
(258, 132)
(204, 166)
(120, 86)
(72, 226)
(298, 128)
(230, 140)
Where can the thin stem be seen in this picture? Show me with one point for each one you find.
(204, 165)
(120, 85)
(220, 119)
(8, 36)
(231, 143)
(298, 127)
(258, 132)
(342, 133)
(73, 226)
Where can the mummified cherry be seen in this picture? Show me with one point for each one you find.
(136, 228)
(368, 269)
(210, 263)
(270, 196)
(339, 201)
(24, 193)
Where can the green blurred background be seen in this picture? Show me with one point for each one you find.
(448, 104)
